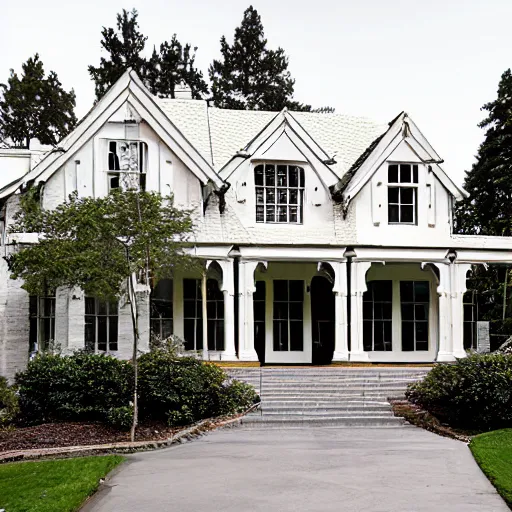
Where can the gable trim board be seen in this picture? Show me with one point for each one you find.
(402, 128)
(129, 89)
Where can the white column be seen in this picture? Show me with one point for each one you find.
(357, 288)
(228, 289)
(76, 320)
(445, 353)
(459, 272)
(340, 307)
(246, 311)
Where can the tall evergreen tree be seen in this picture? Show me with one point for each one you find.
(124, 48)
(173, 66)
(250, 76)
(488, 209)
(35, 106)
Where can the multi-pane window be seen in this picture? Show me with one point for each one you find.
(42, 321)
(101, 325)
(470, 318)
(402, 193)
(126, 164)
(161, 309)
(377, 316)
(415, 301)
(288, 315)
(279, 193)
(193, 315)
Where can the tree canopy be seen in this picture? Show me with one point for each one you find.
(162, 72)
(250, 76)
(83, 241)
(35, 106)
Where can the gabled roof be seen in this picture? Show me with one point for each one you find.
(128, 88)
(400, 129)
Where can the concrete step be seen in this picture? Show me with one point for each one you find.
(291, 412)
(285, 421)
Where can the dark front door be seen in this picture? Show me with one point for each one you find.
(322, 320)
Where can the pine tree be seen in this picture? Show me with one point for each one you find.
(173, 66)
(488, 210)
(124, 48)
(250, 76)
(35, 106)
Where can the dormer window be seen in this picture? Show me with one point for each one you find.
(127, 165)
(279, 193)
(402, 193)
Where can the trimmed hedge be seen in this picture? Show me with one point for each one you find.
(474, 393)
(9, 407)
(93, 387)
(80, 387)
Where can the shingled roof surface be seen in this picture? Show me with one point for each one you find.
(219, 133)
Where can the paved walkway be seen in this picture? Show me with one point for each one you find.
(317, 469)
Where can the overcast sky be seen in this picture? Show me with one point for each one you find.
(438, 60)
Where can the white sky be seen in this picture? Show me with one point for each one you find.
(438, 60)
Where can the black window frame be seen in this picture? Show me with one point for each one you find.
(378, 316)
(41, 321)
(161, 306)
(402, 182)
(98, 312)
(114, 172)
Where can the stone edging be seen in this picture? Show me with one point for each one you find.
(184, 435)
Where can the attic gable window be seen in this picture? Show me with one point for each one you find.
(402, 193)
(126, 165)
(279, 193)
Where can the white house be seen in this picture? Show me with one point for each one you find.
(325, 237)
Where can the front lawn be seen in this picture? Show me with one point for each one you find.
(52, 485)
(493, 452)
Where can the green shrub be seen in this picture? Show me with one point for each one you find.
(9, 407)
(237, 397)
(120, 417)
(184, 390)
(77, 387)
(474, 393)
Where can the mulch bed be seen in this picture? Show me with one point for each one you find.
(52, 435)
(421, 418)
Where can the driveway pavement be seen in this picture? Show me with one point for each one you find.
(315, 469)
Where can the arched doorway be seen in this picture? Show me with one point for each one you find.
(322, 319)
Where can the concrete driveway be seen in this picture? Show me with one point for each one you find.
(316, 469)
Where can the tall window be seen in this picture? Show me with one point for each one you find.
(126, 164)
(279, 193)
(42, 321)
(259, 319)
(161, 308)
(377, 316)
(470, 318)
(402, 194)
(193, 315)
(101, 325)
(288, 315)
(415, 300)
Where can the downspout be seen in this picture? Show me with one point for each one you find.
(235, 254)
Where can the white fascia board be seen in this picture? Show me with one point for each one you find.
(403, 255)
(384, 149)
(285, 253)
(212, 252)
(22, 238)
(186, 151)
(482, 242)
(265, 133)
(301, 132)
(11, 188)
(483, 256)
(273, 149)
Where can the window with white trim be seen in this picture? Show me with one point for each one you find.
(402, 193)
(279, 193)
(101, 325)
(42, 321)
(378, 316)
(161, 310)
(127, 164)
(415, 302)
(288, 324)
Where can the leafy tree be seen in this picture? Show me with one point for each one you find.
(35, 106)
(124, 48)
(488, 210)
(161, 73)
(250, 76)
(107, 246)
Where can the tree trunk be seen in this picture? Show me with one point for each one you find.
(135, 324)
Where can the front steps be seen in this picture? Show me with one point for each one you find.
(334, 396)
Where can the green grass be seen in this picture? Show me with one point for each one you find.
(493, 452)
(52, 485)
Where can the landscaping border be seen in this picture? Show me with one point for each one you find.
(187, 434)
